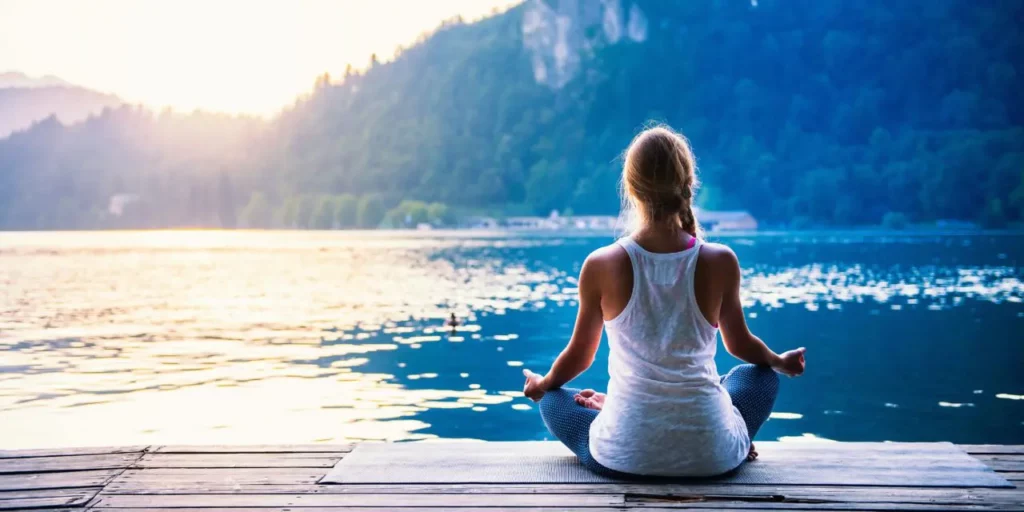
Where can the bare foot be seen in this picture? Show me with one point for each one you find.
(590, 399)
(752, 454)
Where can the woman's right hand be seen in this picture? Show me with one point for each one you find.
(534, 388)
(792, 362)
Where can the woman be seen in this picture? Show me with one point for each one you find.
(662, 293)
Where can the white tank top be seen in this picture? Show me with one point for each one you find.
(666, 413)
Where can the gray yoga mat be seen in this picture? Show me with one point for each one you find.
(543, 462)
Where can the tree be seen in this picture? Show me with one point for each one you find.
(324, 213)
(257, 212)
(304, 213)
(287, 215)
(226, 203)
(833, 112)
(440, 214)
(371, 211)
(894, 220)
(346, 213)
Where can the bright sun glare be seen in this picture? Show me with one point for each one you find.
(227, 55)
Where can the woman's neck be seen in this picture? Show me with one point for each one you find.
(662, 237)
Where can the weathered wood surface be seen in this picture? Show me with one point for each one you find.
(279, 478)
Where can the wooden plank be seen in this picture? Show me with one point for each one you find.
(158, 487)
(389, 509)
(500, 508)
(1001, 463)
(732, 505)
(49, 504)
(652, 491)
(284, 448)
(357, 500)
(60, 452)
(63, 480)
(266, 476)
(993, 448)
(47, 498)
(67, 463)
(560, 502)
(239, 460)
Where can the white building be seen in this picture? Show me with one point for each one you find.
(118, 202)
(726, 221)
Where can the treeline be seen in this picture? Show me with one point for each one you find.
(805, 113)
(344, 211)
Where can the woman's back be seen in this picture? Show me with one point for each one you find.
(666, 412)
(657, 294)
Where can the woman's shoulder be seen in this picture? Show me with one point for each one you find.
(610, 255)
(718, 258)
(608, 260)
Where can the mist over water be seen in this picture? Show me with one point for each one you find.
(296, 337)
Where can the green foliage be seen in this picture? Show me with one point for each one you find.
(370, 212)
(257, 212)
(346, 214)
(307, 205)
(411, 213)
(894, 220)
(440, 214)
(994, 216)
(287, 214)
(802, 112)
(324, 214)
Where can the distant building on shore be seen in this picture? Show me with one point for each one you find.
(711, 220)
(479, 222)
(118, 202)
(596, 222)
(553, 221)
(738, 220)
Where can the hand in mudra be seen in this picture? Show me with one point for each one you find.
(792, 363)
(590, 399)
(534, 387)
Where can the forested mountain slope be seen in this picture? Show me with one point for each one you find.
(801, 111)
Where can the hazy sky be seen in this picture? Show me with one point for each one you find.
(229, 55)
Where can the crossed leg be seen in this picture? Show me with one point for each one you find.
(753, 390)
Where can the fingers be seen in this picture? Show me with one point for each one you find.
(587, 393)
(589, 403)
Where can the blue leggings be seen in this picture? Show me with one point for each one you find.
(753, 390)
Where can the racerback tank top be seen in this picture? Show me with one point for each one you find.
(666, 412)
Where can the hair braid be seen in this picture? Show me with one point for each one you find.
(687, 178)
(660, 178)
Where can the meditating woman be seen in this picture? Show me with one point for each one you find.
(662, 294)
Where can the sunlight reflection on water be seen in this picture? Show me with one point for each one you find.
(257, 337)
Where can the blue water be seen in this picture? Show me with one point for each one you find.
(264, 337)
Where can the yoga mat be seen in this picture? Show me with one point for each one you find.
(544, 462)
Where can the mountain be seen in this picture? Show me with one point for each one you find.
(25, 100)
(17, 79)
(800, 111)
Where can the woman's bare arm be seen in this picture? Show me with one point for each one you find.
(579, 354)
(738, 339)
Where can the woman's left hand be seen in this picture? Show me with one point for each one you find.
(792, 362)
(534, 388)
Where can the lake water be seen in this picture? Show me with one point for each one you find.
(299, 337)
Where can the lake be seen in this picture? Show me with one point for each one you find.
(249, 337)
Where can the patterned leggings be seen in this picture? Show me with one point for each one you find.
(753, 390)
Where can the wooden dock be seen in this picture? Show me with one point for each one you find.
(269, 478)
